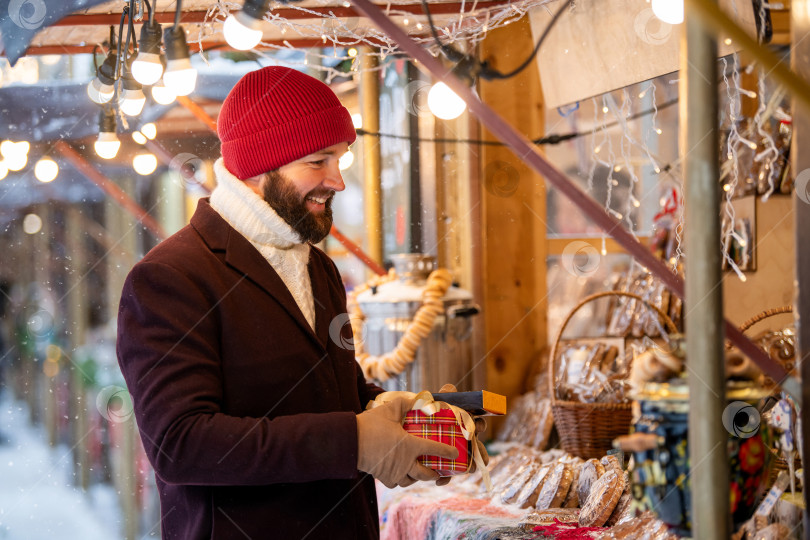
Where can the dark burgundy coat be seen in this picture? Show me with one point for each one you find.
(246, 414)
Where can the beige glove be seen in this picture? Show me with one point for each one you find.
(387, 452)
(480, 427)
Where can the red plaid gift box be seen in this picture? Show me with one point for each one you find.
(442, 427)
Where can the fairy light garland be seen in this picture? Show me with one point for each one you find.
(470, 28)
(392, 363)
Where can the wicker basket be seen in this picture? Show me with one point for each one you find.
(779, 463)
(587, 430)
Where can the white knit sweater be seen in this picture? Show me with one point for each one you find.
(278, 243)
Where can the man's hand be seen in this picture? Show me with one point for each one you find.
(388, 452)
(480, 427)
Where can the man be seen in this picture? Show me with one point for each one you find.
(251, 416)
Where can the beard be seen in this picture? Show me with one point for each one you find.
(280, 193)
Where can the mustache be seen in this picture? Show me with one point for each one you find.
(321, 194)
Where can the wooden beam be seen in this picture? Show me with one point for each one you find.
(272, 44)
(198, 112)
(164, 17)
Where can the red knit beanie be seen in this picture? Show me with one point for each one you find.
(276, 115)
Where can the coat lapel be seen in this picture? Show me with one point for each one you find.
(246, 259)
(323, 300)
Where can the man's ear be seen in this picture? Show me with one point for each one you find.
(255, 183)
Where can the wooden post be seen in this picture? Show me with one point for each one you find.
(704, 296)
(372, 192)
(800, 168)
(513, 210)
(122, 225)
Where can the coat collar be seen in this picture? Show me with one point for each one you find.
(240, 254)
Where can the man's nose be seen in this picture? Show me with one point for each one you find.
(334, 179)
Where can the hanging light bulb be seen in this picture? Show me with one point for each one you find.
(138, 137)
(243, 31)
(46, 170)
(147, 67)
(179, 76)
(669, 11)
(163, 95)
(101, 88)
(3, 169)
(107, 144)
(346, 160)
(144, 164)
(149, 130)
(131, 100)
(444, 103)
(15, 154)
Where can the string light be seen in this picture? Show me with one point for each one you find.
(138, 137)
(179, 77)
(669, 11)
(346, 160)
(147, 66)
(144, 164)
(46, 170)
(243, 31)
(101, 89)
(357, 121)
(444, 103)
(32, 224)
(15, 155)
(107, 144)
(149, 130)
(131, 100)
(163, 95)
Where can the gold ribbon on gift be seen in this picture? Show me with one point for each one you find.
(425, 403)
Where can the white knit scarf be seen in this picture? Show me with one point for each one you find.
(278, 243)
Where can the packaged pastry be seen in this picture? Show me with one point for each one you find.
(517, 481)
(549, 516)
(602, 500)
(572, 499)
(528, 495)
(555, 487)
(589, 473)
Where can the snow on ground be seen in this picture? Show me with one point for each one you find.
(37, 497)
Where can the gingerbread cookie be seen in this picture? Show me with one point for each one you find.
(528, 495)
(604, 496)
(556, 487)
(589, 473)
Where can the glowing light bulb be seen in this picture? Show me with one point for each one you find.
(16, 162)
(132, 102)
(100, 93)
(138, 137)
(669, 11)
(658, 130)
(46, 170)
(357, 120)
(107, 145)
(149, 130)
(239, 35)
(147, 68)
(444, 103)
(352, 52)
(605, 110)
(163, 95)
(144, 164)
(32, 224)
(3, 169)
(180, 77)
(346, 160)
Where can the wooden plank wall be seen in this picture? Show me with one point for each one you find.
(513, 220)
